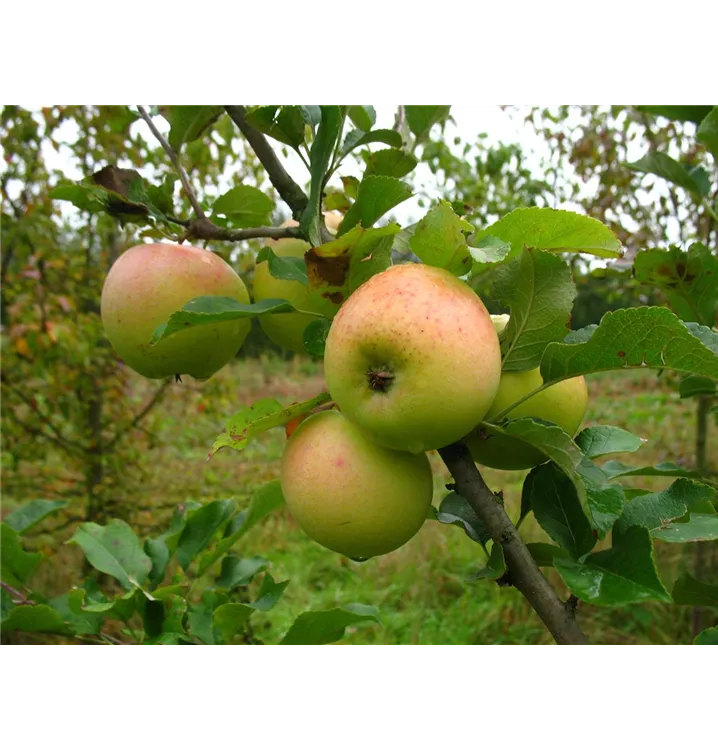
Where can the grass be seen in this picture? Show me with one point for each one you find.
(421, 590)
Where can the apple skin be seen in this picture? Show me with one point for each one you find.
(413, 359)
(564, 404)
(150, 282)
(287, 329)
(349, 494)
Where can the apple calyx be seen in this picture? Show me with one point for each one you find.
(380, 380)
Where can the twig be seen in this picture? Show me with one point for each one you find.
(525, 574)
(175, 162)
(204, 229)
(399, 121)
(288, 190)
(21, 598)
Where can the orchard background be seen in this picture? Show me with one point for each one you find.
(87, 441)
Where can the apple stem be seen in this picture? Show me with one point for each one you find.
(523, 572)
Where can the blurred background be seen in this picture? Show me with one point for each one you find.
(79, 426)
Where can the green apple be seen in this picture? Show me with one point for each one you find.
(413, 359)
(350, 494)
(287, 329)
(564, 404)
(150, 282)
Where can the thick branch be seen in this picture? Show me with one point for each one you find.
(524, 572)
(175, 162)
(288, 190)
(204, 229)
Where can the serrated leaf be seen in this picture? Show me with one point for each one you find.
(238, 571)
(211, 310)
(495, 565)
(392, 162)
(632, 338)
(261, 416)
(708, 637)
(229, 619)
(200, 528)
(700, 527)
(40, 618)
(327, 626)
(245, 206)
(544, 554)
(265, 500)
(707, 132)
(269, 594)
(114, 549)
(695, 385)
(689, 279)
(421, 118)
(624, 574)
(688, 590)
(377, 194)
(603, 440)
(439, 239)
(455, 510)
(681, 112)
(363, 116)
(555, 230)
(315, 337)
(538, 288)
(285, 268)
(557, 509)
(188, 122)
(488, 249)
(662, 165)
(31, 513)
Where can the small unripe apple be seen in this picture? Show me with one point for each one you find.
(564, 404)
(413, 359)
(287, 329)
(350, 494)
(150, 282)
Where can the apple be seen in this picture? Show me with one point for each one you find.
(287, 329)
(350, 494)
(413, 359)
(150, 282)
(564, 404)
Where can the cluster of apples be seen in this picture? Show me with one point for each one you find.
(412, 362)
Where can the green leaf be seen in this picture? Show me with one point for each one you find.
(439, 239)
(688, 590)
(707, 132)
(538, 288)
(171, 618)
(606, 499)
(681, 112)
(457, 511)
(700, 527)
(245, 206)
(211, 310)
(240, 571)
(695, 385)
(357, 138)
(603, 440)
(269, 594)
(545, 554)
(265, 500)
(31, 513)
(159, 554)
(662, 165)
(40, 618)
(351, 186)
(377, 195)
(624, 574)
(655, 510)
(488, 249)
(636, 337)
(557, 509)
(551, 229)
(689, 279)
(263, 415)
(114, 549)
(188, 122)
(392, 162)
(286, 268)
(363, 116)
(229, 619)
(121, 608)
(422, 118)
(709, 637)
(311, 113)
(199, 529)
(327, 626)
(200, 623)
(495, 565)
(315, 337)
(616, 469)
(285, 125)
(69, 607)
(320, 157)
